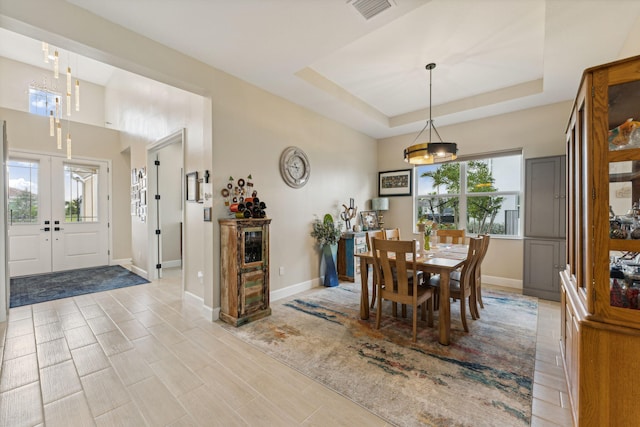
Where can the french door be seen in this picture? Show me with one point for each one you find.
(57, 214)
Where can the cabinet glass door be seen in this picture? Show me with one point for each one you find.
(623, 141)
(253, 245)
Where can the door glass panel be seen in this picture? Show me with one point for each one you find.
(23, 192)
(80, 193)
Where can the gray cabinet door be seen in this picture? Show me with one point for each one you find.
(545, 199)
(543, 260)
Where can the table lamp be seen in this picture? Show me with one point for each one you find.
(380, 204)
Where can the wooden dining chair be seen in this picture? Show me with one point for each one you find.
(477, 275)
(397, 282)
(450, 236)
(374, 234)
(392, 234)
(464, 288)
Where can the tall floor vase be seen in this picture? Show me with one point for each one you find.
(330, 273)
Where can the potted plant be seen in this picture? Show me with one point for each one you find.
(327, 235)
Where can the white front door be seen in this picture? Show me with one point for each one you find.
(57, 214)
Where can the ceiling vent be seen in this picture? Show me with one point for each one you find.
(370, 8)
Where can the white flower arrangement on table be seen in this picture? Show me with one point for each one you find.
(426, 226)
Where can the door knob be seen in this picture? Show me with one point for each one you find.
(45, 229)
(57, 228)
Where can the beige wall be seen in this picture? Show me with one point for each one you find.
(243, 131)
(17, 77)
(251, 128)
(538, 131)
(235, 129)
(30, 132)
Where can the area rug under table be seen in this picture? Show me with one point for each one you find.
(46, 287)
(484, 378)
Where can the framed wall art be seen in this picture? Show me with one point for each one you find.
(369, 219)
(395, 183)
(192, 187)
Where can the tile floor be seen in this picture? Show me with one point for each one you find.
(143, 356)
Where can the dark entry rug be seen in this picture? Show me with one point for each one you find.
(484, 378)
(46, 287)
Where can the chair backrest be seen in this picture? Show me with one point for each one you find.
(374, 234)
(392, 234)
(485, 246)
(483, 251)
(469, 267)
(455, 236)
(391, 260)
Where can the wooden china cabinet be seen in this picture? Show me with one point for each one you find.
(244, 270)
(601, 282)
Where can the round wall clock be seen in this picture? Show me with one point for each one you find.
(294, 167)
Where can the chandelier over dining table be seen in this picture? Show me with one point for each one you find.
(430, 152)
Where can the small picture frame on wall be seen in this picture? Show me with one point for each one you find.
(369, 219)
(200, 191)
(395, 183)
(192, 191)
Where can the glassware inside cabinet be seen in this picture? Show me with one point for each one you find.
(624, 200)
(624, 279)
(624, 116)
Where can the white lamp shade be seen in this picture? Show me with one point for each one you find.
(380, 204)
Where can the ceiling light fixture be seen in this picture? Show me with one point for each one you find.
(55, 113)
(430, 152)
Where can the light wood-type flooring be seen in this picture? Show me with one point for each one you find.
(143, 356)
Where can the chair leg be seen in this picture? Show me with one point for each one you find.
(436, 298)
(374, 288)
(430, 302)
(404, 311)
(415, 322)
(379, 312)
(373, 295)
(479, 294)
(463, 314)
(394, 309)
(473, 308)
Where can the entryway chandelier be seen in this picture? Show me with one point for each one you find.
(55, 112)
(430, 152)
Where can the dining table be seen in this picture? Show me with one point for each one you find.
(440, 259)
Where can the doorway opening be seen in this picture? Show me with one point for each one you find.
(165, 168)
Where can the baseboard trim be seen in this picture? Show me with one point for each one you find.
(140, 272)
(209, 313)
(502, 281)
(294, 289)
(193, 297)
(171, 264)
(123, 261)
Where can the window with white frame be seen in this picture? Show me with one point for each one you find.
(42, 102)
(480, 194)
